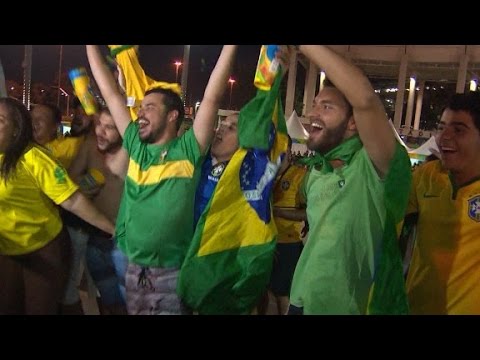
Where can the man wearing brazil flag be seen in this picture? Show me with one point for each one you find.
(228, 265)
(356, 192)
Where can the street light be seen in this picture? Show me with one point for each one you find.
(177, 64)
(473, 85)
(231, 81)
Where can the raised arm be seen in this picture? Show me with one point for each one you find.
(368, 110)
(204, 123)
(110, 92)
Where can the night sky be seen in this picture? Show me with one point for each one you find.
(157, 61)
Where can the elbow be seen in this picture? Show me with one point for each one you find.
(368, 102)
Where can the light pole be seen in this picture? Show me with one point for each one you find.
(231, 81)
(177, 64)
(60, 74)
(27, 75)
(186, 61)
(64, 93)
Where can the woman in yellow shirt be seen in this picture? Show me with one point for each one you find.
(34, 247)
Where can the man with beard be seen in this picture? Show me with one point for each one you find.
(155, 221)
(356, 191)
(106, 264)
(445, 267)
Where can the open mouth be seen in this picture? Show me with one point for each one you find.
(143, 123)
(447, 149)
(315, 127)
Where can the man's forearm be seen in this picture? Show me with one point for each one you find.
(290, 214)
(84, 209)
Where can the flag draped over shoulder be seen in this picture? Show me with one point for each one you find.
(387, 294)
(229, 263)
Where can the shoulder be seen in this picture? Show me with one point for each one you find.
(131, 130)
(299, 169)
(34, 152)
(38, 157)
(429, 170)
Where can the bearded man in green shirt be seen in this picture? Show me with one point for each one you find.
(356, 192)
(154, 226)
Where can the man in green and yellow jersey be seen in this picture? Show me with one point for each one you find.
(155, 219)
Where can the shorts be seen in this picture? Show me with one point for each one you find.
(153, 291)
(284, 263)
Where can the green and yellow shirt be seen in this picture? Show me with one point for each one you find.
(155, 221)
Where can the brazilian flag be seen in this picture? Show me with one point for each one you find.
(228, 265)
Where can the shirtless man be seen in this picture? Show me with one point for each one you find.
(105, 262)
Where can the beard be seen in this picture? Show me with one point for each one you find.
(154, 135)
(329, 139)
(110, 147)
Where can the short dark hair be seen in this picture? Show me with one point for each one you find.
(172, 102)
(22, 122)
(328, 83)
(469, 102)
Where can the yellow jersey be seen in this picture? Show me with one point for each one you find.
(29, 216)
(445, 269)
(65, 149)
(286, 195)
